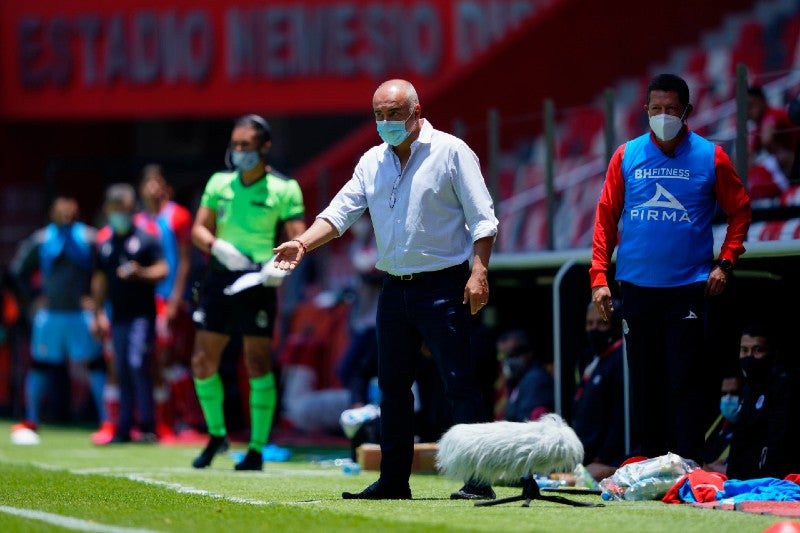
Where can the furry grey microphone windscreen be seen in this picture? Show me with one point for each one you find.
(508, 451)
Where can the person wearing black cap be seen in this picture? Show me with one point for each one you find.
(237, 222)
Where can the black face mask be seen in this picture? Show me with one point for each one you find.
(755, 369)
(599, 340)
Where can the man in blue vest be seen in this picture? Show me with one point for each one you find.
(63, 254)
(658, 201)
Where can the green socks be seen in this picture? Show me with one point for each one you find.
(211, 394)
(263, 398)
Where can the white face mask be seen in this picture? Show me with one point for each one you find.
(665, 127)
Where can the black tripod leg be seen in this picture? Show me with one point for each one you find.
(500, 500)
(560, 499)
(530, 491)
(567, 501)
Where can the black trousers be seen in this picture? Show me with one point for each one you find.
(669, 368)
(427, 309)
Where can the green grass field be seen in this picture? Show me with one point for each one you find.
(66, 484)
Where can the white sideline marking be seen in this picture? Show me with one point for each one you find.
(182, 489)
(272, 472)
(177, 487)
(69, 522)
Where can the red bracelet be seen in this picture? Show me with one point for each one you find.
(302, 245)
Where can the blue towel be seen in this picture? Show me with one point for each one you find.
(761, 489)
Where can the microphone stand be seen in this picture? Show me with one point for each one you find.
(530, 491)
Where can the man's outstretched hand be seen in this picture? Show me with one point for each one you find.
(288, 255)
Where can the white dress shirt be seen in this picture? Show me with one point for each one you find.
(426, 217)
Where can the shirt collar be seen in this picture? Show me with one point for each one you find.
(425, 133)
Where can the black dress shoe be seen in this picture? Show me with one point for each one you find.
(215, 445)
(254, 460)
(377, 491)
(474, 491)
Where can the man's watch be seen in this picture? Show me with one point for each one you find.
(726, 265)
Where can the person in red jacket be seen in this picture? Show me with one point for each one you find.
(773, 136)
(656, 208)
(174, 328)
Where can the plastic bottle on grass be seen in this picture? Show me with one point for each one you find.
(649, 489)
(275, 454)
(351, 420)
(584, 479)
(351, 468)
(547, 483)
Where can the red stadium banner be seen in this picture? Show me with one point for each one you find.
(92, 59)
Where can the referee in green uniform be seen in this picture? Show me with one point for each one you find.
(237, 222)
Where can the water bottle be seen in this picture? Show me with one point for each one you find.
(275, 454)
(351, 420)
(547, 483)
(351, 468)
(584, 479)
(649, 489)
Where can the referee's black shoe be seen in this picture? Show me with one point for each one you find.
(215, 445)
(378, 491)
(254, 460)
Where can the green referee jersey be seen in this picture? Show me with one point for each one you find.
(248, 215)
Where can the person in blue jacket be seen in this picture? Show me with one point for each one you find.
(62, 255)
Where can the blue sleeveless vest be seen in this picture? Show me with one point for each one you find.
(666, 238)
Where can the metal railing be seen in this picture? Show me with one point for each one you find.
(724, 122)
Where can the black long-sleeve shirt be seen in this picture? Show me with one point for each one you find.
(765, 439)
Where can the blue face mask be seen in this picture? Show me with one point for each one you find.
(120, 222)
(246, 159)
(729, 406)
(393, 132)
